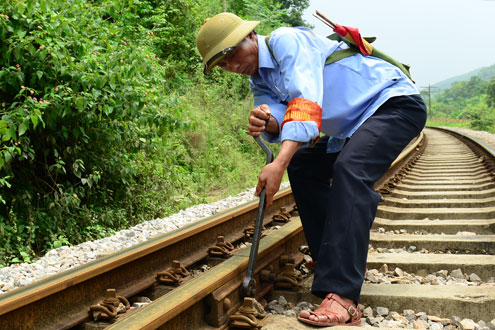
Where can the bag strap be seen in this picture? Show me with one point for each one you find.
(340, 54)
(375, 53)
(353, 50)
(334, 57)
(267, 41)
(343, 53)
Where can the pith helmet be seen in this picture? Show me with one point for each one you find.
(219, 35)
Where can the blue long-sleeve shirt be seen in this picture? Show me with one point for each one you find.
(349, 91)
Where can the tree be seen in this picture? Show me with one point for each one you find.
(272, 13)
(295, 9)
(490, 93)
(267, 11)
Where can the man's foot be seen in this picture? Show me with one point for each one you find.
(334, 310)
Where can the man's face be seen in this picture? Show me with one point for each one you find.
(244, 58)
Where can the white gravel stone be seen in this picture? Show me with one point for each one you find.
(474, 278)
(139, 304)
(465, 233)
(467, 324)
(420, 324)
(457, 274)
(382, 311)
(436, 326)
(368, 312)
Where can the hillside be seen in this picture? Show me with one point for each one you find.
(485, 73)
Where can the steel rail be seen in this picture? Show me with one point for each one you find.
(173, 311)
(179, 300)
(479, 147)
(60, 301)
(447, 197)
(174, 304)
(478, 143)
(416, 146)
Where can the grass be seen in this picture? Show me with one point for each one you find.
(449, 122)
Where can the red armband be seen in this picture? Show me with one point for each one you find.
(300, 109)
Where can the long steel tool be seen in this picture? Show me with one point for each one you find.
(249, 283)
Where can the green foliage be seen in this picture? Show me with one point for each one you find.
(482, 119)
(171, 32)
(295, 10)
(442, 121)
(107, 120)
(463, 90)
(470, 100)
(80, 102)
(269, 12)
(490, 93)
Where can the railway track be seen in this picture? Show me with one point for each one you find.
(444, 207)
(437, 215)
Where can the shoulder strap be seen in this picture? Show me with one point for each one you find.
(352, 50)
(403, 67)
(340, 54)
(334, 57)
(376, 53)
(267, 41)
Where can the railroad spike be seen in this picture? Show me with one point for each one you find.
(248, 314)
(221, 249)
(288, 278)
(282, 216)
(173, 275)
(110, 307)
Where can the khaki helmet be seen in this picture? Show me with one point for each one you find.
(219, 35)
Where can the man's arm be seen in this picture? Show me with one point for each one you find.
(271, 175)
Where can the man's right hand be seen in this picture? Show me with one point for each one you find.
(259, 120)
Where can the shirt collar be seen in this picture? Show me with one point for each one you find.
(265, 59)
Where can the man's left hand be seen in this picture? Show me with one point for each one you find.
(270, 179)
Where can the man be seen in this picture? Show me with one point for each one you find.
(368, 110)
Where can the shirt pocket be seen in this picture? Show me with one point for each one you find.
(276, 84)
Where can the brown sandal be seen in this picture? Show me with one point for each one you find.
(327, 318)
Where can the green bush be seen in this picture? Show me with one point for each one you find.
(107, 120)
(80, 103)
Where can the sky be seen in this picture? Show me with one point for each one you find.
(440, 39)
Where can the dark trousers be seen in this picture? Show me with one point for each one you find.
(337, 216)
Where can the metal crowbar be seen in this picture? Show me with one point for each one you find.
(249, 283)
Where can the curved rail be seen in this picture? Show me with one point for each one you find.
(480, 148)
(172, 305)
(174, 310)
(133, 270)
(478, 143)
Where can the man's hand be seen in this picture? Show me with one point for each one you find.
(271, 175)
(258, 120)
(270, 179)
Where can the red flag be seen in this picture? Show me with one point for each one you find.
(353, 35)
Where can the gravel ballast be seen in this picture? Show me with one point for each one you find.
(65, 257)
